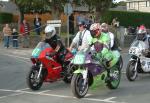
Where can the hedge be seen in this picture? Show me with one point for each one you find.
(128, 18)
(6, 17)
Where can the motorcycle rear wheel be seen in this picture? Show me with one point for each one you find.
(32, 81)
(115, 77)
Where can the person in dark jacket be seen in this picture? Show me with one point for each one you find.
(15, 38)
(55, 42)
(37, 25)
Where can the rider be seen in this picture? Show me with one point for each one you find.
(55, 42)
(101, 44)
(142, 35)
(82, 39)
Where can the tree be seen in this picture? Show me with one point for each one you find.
(40, 6)
(100, 6)
(28, 6)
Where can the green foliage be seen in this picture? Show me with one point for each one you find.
(6, 18)
(99, 5)
(27, 6)
(128, 18)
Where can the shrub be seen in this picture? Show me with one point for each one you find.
(6, 17)
(128, 18)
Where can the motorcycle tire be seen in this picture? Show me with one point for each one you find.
(77, 86)
(130, 73)
(121, 62)
(32, 81)
(115, 77)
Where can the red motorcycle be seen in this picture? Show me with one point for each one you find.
(46, 68)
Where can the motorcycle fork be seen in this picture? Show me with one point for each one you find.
(135, 68)
(41, 66)
(85, 74)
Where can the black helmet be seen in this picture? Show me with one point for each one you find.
(81, 23)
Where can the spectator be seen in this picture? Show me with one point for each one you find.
(24, 30)
(7, 33)
(115, 23)
(131, 30)
(15, 38)
(71, 24)
(37, 24)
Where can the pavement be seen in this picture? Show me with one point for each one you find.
(19, 50)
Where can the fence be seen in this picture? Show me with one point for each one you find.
(123, 40)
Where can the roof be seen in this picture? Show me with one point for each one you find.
(136, 0)
(8, 7)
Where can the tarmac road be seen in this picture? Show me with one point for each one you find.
(14, 65)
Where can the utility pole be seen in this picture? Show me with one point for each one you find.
(68, 10)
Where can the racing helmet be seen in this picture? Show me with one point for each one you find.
(50, 31)
(95, 28)
(141, 33)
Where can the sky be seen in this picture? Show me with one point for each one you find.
(114, 0)
(118, 0)
(4, 0)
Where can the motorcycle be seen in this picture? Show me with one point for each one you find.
(139, 62)
(89, 68)
(46, 68)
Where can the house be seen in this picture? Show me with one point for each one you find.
(138, 5)
(9, 7)
(119, 8)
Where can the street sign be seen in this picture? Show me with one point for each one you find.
(68, 9)
(55, 23)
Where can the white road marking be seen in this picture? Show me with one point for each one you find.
(17, 56)
(44, 91)
(11, 95)
(87, 95)
(18, 92)
(23, 89)
(24, 59)
(108, 99)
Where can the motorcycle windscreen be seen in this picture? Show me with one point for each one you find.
(139, 44)
(37, 50)
(79, 58)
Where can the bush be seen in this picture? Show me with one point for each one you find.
(128, 18)
(6, 18)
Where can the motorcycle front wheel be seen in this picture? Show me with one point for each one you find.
(33, 82)
(121, 62)
(78, 87)
(131, 73)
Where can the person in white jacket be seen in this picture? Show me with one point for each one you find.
(83, 38)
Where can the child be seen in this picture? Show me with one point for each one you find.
(15, 38)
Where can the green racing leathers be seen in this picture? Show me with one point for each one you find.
(104, 53)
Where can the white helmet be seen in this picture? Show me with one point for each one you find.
(95, 26)
(50, 31)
